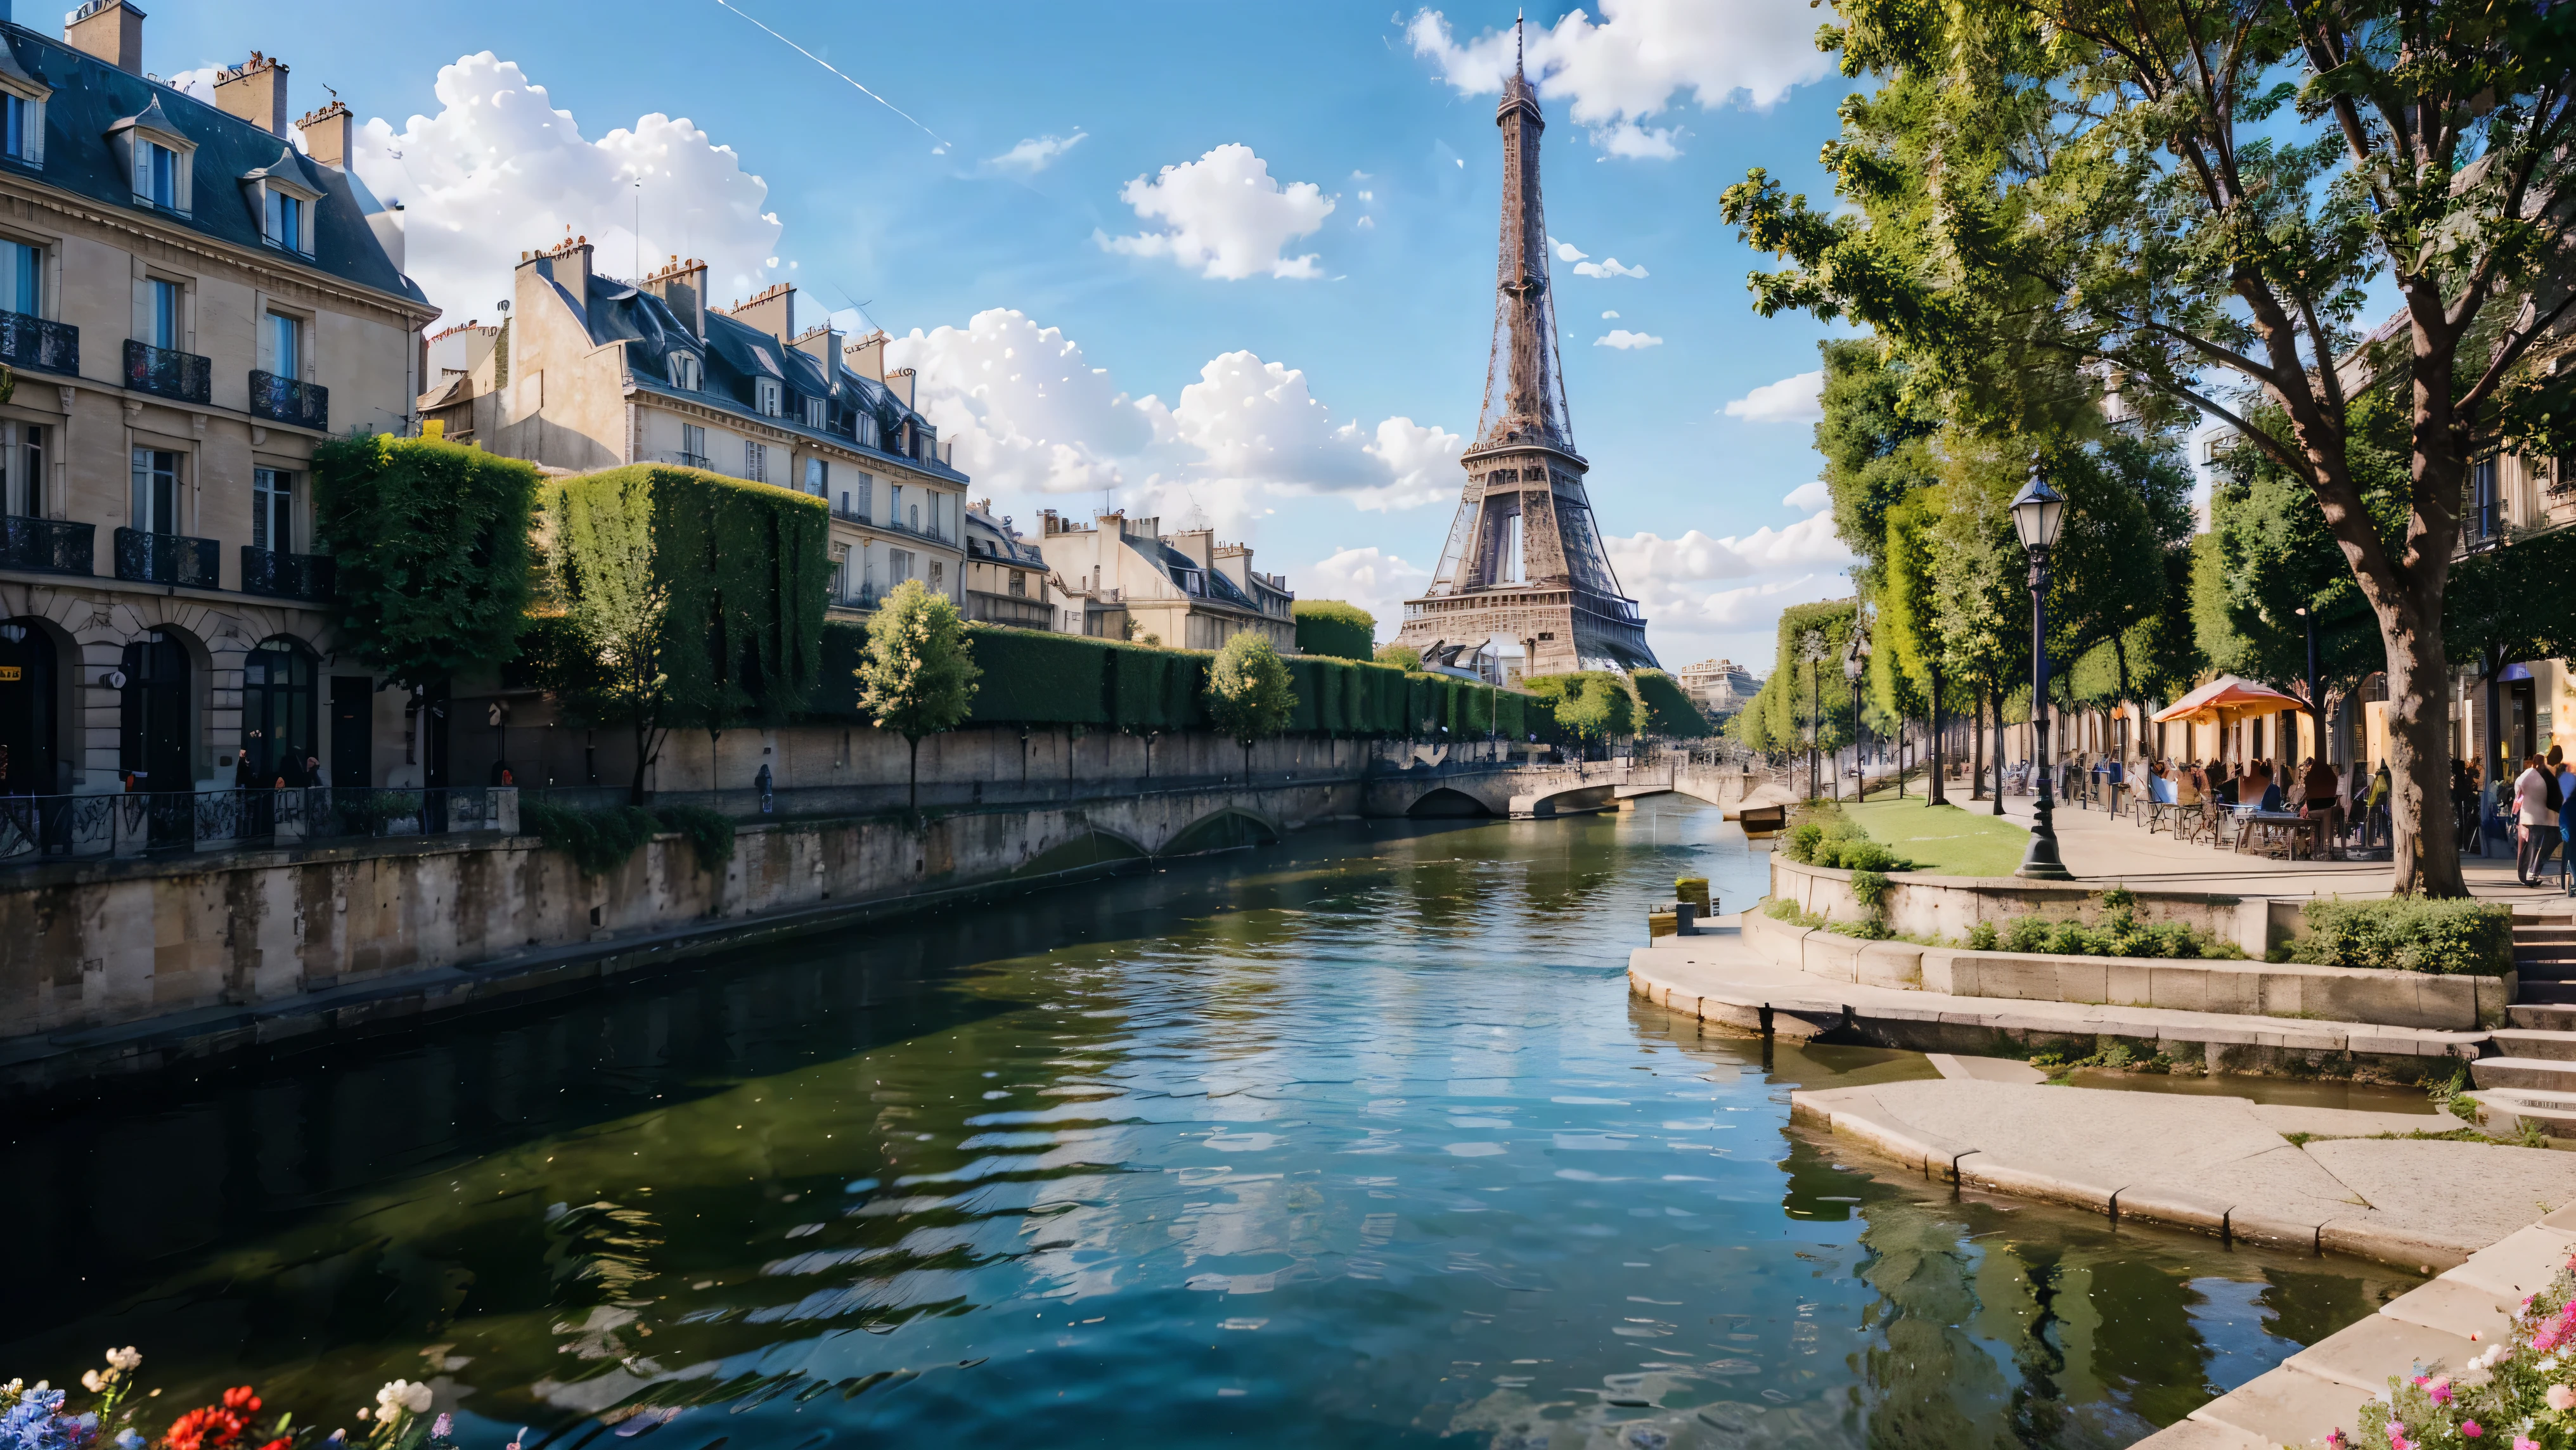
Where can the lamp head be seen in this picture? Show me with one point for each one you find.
(2301, 611)
(2037, 512)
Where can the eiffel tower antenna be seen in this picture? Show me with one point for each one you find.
(1524, 560)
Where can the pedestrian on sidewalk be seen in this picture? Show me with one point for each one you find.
(2556, 768)
(2193, 785)
(2378, 804)
(2566, 825)
(2464, 806)
(2317, 783)
(2531, 794)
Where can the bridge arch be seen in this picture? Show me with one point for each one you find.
(1446, 803)
(1093, 847)
(1230, 828)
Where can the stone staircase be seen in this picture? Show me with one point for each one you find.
(2532, 1077)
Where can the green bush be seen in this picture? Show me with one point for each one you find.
(2409, 934)
(2026, 934)
(1669, 712)
(709, 833)
(1870, 889)
(1331, 627)
(1981, 937)
(1800, 843)
(598, 841)
(433, 567)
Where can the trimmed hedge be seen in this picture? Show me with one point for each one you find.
(1669, 712)
(2408, 934)
(1331, 627)
(432, 548)
(1042, 679)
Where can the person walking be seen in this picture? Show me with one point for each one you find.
(2566, 823)
(2532, 791)
(2379, 804)
(2318, 783)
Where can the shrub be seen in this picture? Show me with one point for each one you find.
(1248, 694)
(597, 841)
(1870, 889)
(709, 833)
(1669, 712)
(431, 546)
(1801, 842)
(2409, 934)
(1332, 627)
(1981, 937)
(1399, 656)
(2027, 934)
(2074, 939)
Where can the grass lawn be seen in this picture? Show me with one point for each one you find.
(1944, 840)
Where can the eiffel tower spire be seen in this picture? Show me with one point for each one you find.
(1523, 560)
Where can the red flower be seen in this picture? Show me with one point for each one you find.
(240, 1398)
(282, 1442)
(216, 1427)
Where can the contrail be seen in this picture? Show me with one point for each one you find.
(827, 65)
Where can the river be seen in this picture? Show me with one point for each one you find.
(1355, 1141)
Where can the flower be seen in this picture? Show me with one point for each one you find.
(34, 1421)
(2560, 1397)
(401, 1397)
(129, 1440)
(2471, 1429)
(442, 1427)
(126, 1360)
(2437, 1389)
(2525, 1442)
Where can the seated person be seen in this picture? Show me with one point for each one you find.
(2224, 792)
(2271, 798)
(2191, 785)
(2160, 786)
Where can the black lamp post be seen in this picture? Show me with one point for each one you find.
(1856, 664)
(2316, 706)
(2037, 511)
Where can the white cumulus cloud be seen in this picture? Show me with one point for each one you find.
(1369, 577)
(1703, 594)
(1797, 399)
(1624, 340)
(1225, 217)
(1624, 71)
(1027, 412)
(1607, 316)
(1809, 496)
(499, 171)
(1567, 251)
(1605, 268)
(1037, 153)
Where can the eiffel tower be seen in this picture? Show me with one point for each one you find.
(1523, 559)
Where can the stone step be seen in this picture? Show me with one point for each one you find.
(2543, 1074)
(2540, 1017)
(2544, 993)
(2539, 1044)
(2503, 1111)
(2534, 935)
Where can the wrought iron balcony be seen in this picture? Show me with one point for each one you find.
(2481, 524)
(39, 346)
(285, 576)
(47, 546)
(288, 400)
(866, 596)
(168, 372)
(168, 559)
(853, 514)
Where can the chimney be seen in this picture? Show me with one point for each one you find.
(112, 30)
(772, 312)
(255, 90)
(683, 287)
(567, 264)
(820, 343)
(901, 381)
(866, 355)
(326, 131)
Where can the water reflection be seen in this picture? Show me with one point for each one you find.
(1359, 1141)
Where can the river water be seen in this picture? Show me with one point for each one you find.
(1355, 1141)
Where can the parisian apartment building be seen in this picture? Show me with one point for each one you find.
(583, 371)
(1123, 578)
(190, 302)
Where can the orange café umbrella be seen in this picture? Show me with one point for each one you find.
(2225, 697)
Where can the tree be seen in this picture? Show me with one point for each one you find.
(1877, 450)
(919, 675)
(2508, 604)
(1399, 656)
(430, 544)
(2187, 202)
(1247, 692)
(607, 663)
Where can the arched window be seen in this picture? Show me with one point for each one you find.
(28, 717)
(278, 712)
(158, 738)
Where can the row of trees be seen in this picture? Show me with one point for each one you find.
(2050, 202)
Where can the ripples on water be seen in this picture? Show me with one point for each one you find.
(1358, 1141)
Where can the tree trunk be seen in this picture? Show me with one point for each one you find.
(1933, 795)
(1995, 702)
(1977, 745)
(2425, 854)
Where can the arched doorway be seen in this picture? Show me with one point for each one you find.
(157, 741)
(279, 710)
(28, 715)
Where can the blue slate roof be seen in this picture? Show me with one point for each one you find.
(1177, 566)
(92, 100)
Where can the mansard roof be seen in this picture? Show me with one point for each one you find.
(92, 103)
(1175, 564)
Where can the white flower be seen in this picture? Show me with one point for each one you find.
(93, 1381)
(126, 1360)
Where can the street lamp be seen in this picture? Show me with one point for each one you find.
(1856, 664)
(2316, 705)
(2037, 512)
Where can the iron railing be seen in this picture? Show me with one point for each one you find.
(285, 576)
(34, 829)
(866, 596)
(168, 372)
(2481, 524)
(38, 345)
(151, 558)
(854, 515)
(47, 546)
(290, 400)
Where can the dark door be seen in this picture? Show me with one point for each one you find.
(277, 713)
(158, 739)
(27, 711)
(353, 736)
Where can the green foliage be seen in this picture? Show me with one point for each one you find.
(1982, 937)
(709, 833)
(1248, 696)
(1399, 657)
(1669, 712)
(1331, 627)
(1869, 887)
(598, 841)
(1876, 446)
(1590, 704)
(2269, 552)
(430, 543)
(604, 651)
(919, 675)
(1824, 836)
(1784, 708)
(2408, 934)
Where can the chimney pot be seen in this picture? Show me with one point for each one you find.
(255, 90)
(111, 30)
(326, 131)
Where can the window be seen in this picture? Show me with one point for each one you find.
(22, 129)
(815, 410)
(818, 478)
(22, 469)
(755, 462)
(898, 565)
(281, 345)
(914, 521)
(840, 571)
(765, 396)
(2486, 512)
(285, 220)
(160, 176)
(894, 504)
(938, 578)
(156, 491)
(688, 374)
(272, 510)
(867, 429)
(22, 278)
(693, 445)
(1019, 585)
(163, 318)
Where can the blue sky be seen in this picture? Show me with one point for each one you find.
(1308, 406)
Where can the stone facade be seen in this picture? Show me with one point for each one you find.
(1123, 578)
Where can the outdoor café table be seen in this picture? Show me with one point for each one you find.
(2270, 826)
(2169, 815)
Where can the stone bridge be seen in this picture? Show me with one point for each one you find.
(1538, 792)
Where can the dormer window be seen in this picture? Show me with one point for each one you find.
(157, 158)
(156, 175)
(286, 216)
(688, 372)
(815, 411)
(766, 396)
(22, 128)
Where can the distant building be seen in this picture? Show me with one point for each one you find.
(1719, 687)
(1006, 576)
(1123, 578)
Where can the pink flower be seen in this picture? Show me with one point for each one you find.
(2525, 1442)
(2471, 1429)
(2560, 1397)
(2438, 1389)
